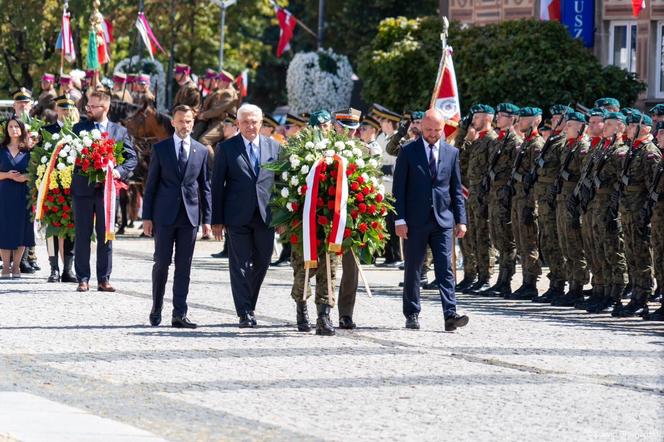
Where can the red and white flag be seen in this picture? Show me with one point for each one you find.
(145, 31)
(446, 94)
(287, 23)
(550, 10)
(242, 82)
(638, 6)
(65, 40)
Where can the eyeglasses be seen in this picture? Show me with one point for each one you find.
(89, 106)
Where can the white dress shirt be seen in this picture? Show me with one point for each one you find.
(255, 149)
(102, 125)
(427, 154)
(177, 141)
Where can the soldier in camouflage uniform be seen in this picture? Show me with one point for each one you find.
(501, 158)
(481, 138)
(611, 248)
(639, 169)
(540, 180)
(524, 205)
(657, 114)
(572, 157)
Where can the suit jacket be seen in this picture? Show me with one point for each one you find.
(52, 128)
(236, 190)
(79, 183)
(166, 189)
(417, 193)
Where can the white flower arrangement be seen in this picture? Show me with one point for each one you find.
(319, 80)
(305, 168)
(284, 192)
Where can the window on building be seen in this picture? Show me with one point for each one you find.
(659, 61)
(622, 45)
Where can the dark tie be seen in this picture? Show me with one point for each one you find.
(254, 159)
(432, 162)
(97, 126)
(182, 159)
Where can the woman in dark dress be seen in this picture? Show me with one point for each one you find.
(16, 231)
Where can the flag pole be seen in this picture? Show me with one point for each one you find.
(443, 61)
(62, 43)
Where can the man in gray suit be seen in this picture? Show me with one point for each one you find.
(241, 190)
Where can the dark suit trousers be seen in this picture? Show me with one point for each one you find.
(89, 213)
(440, 241)
(249, 251)
(182, 235)
(392, 248)
(348, 285)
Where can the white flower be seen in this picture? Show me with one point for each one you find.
(96, 134)
(83, 133)
(359, 162)
(309, 158)
(329, 153)
(62, 153)
(55, 137)
(67, 139)
(321, 145)
(373, 163)
(339, 145)
(289, 206)
(374, 181)
(48, 146)
(87, 142)
(295, 164)
(381, 189)
(357, 152)
(284, 192)
(350, 143)
(44, 159)
(294, 181)
(347, 153)
(299, 190)
(71, 159)
(366, 177)
(304, 170)
(309, 145)
(329, 160)
(284, 176)
(61, 166)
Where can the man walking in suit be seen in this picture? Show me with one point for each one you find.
(177, 177)
(88, 199)
(240, 204)
(429, 206)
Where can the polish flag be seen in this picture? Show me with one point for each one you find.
(287, 24)
(446, 94)
(550, 10)
(638, 6)
(242, 82)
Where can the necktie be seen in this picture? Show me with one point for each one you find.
(432, 162)
(182, 159)
(254, 159)
(97, 126)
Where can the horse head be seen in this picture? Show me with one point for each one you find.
(148, 124)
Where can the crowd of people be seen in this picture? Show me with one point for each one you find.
(579, 194)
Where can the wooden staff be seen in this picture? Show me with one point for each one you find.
(361, 272)
(330, 295)
(306, 284)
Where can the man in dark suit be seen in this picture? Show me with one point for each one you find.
(176, 192)
(88, 199)
(240, 204)
(429, 206)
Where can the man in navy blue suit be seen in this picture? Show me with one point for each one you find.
(177, 192)
(88, 198)
(430, 208)
(240, 204)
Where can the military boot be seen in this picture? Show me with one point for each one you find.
(556, 289)
(637, 306)
(596, 294)
(55, 271)
(617, 300)
(517, 292)
(466, 282)
(324, 325)
(574, 295)
(302, 316)
(481, 285)
(607, 299)
(494, 290)
(68, 274)
(528, 290)
(657, 315)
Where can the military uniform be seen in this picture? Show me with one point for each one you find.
(657, 221)
(189, 95)
(468, 249)
(297, 291)
(46, 101)
(215, 108)
(120, 91)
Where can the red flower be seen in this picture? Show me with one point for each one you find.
(381, 236)
(85, 151)
(66, 208)
(354, 214)
(330, 205)
(362, 227)
(293, 239)
(56, 191)
(54, 209)
(331, 190)
(374, 224)
(354, 186)
(295, 206)
(362, 207)
(366, 191)
(57, 224)
(359, 197)
(295, 222)
(320, 202)
(323, 221)
(383, 210)
(379, 198)
(322, 177)
(349, 172)
(61, 199)
(372, 209)
(346, 232)
(360, 179)
(304, 189)
(65, 216)
(50, 198)
(66, 191)
(352, 167)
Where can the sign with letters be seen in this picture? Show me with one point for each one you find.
(578, 16)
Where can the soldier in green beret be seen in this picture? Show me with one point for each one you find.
(609, 104)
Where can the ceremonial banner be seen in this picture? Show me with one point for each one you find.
(638, 6)
(145, 31)
(550, 10)
(65, 42)
(578, 16)
(287, 24)
(446, 94)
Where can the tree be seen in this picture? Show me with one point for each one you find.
(527, 62)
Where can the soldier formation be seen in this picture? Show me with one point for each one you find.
(581, 196)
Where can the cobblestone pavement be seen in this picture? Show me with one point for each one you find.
(518, 371)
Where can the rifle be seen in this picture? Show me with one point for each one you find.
(533, 176)
(485, 186)
(564, 174)
(583, 191)
(642, 226)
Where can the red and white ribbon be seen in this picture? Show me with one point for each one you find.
(340, 206)
(46, 181)
(109, 203)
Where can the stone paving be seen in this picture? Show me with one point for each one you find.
(518, 371)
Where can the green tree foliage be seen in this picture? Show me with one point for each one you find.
(527, 62)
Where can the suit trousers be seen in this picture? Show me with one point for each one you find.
(249, 251)
(182, 235)
(440, 240)
(89, 215)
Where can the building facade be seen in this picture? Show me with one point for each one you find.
(619, 38)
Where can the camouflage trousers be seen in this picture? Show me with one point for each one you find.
(501, 229)
(548, 236)
(468, 251)
(610, 245)
(637, 253)
(297, 291)
(658, 243)
(479, 234)
(526, 231)
(591, 246)
(571, 243)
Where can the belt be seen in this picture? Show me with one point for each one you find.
(569, 184)
(544, 179)
(499, 183)
(603, 191)
(635, 189)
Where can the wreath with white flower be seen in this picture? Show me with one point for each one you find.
(319, 80)
(365, 203)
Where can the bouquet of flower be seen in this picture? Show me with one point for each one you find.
(328, 194)
(51, 170)
(97, 153)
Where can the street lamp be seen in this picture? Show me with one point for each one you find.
(223, 4)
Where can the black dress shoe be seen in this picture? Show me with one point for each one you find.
(26, 268)
(54, 276)
(246, 322)
(252, 316)
(222, 254)
(155, 318)
(456, 321)
(280, 263)
(121, 231)
(433, 285)
(346, 323)
(412, 322)
(182, 322)
(473, 287)
(390, 264)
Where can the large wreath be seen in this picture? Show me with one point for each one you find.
(356, 195)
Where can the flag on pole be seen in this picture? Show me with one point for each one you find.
(446, 94)
(145, 31)
(242, 82)
(287, 23)
(65, 41)
(550, 10)
(638, 6)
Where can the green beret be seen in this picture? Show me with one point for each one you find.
(658, 109)
(615, 116)
(639, 118)
(607, 101)
(529, 111)
(576, 116)
(508, 108)
(627, 111)
(416, 115)
(560, 109)
(482, 109)
(319, 117)
(660, 126)
(597, 112)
